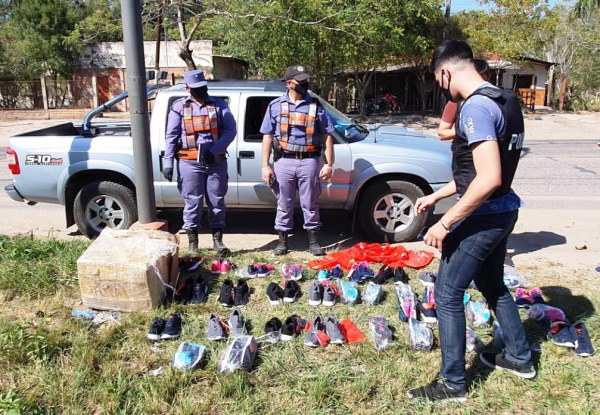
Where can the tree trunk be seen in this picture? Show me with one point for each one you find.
(186, 54)
(550, 99)
(563, 92)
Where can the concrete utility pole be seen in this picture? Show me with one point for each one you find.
(138, 109)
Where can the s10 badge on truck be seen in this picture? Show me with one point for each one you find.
(42, 160)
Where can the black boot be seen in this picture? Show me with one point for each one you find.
(193, 238)
(313, 242)
(218, 246)
(282, 247)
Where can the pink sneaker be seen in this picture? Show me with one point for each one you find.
(522, 298)
(226, 266)
(215, 266)
(536, 296)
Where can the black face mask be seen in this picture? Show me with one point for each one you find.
(446, 92)
(302, 88)
(199, 93)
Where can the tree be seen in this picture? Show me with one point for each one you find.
(584, 8)
(35, 33)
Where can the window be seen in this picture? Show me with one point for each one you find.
(522, 81)
(256, 108)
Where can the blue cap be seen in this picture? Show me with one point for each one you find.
(194, 79)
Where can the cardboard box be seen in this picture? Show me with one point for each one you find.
(126, 270)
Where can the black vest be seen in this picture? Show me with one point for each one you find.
(510, 141)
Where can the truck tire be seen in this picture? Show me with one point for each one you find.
(103, 204)
(387, 211)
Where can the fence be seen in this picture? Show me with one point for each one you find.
(21, 94)
(70, 93)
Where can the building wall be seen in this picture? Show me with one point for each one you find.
(541, 71)
(112, 55)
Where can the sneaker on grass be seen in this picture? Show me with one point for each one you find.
(560, 334)
(200, 293)
(329, 295)
(292, 326)
(274, 293)
(172, 327)
(438, 392)
(237, 326)
(315, 294)
(333, 331)
(583, 344)
(226, 295)
(216, 328)
(312, 337)
(156, 329)
(427, 278)
(500, 362)
(291, 292)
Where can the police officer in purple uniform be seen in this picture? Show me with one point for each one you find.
(199, 130)
(299, 130)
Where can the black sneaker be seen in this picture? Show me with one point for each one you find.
(172, 327)
(291, 292)
(400, 275)
(273, 326)
(226, 296)
(291, 327)
(275, 293)
(156, 329)
(241, 293)
(200, 294)
(438, 392)
(427, 278)
(383, 275)
(499, 361)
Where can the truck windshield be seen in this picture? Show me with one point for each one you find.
(350, 130)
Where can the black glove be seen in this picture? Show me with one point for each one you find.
(168, 173)
(209, 157)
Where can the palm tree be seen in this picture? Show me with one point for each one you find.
(584, 8)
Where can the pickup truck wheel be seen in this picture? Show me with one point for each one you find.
(104, 204)
(387, 211)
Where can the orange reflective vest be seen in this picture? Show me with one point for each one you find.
(298, 119)
(199, 123)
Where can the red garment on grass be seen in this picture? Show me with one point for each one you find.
(350, 331)
(392, 256)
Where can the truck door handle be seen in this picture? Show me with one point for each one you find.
(246, 154)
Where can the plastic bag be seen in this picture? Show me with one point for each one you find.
(407, 303)
(473, 341)
(372, 294)
(512, 279)
(187, 356)
(348, 292)
(419, 335)
(477, 314)
(239, 355)
(543, 313)
(381, 333)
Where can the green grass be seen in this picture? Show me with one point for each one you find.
(51, 363)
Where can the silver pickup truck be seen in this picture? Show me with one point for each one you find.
(379, 172)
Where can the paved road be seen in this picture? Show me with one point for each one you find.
(558, 179)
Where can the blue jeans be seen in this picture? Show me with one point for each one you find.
(475, 250)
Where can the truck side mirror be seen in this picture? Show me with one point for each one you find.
(150, 75)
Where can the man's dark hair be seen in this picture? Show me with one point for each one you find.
(481, 66)
(451, 50)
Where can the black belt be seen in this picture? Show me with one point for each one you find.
(300, 155)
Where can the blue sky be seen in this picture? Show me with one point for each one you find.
(460, 5)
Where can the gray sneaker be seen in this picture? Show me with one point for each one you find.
(333, 331)
(236, 324)
(311, 339)
(215, 328)
(328, 296)
(315, 293)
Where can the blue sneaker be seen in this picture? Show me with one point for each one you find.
(560, 334)
(583, 344)
(323, 275)
(477, 314)
(373, 293)
(360, 272)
